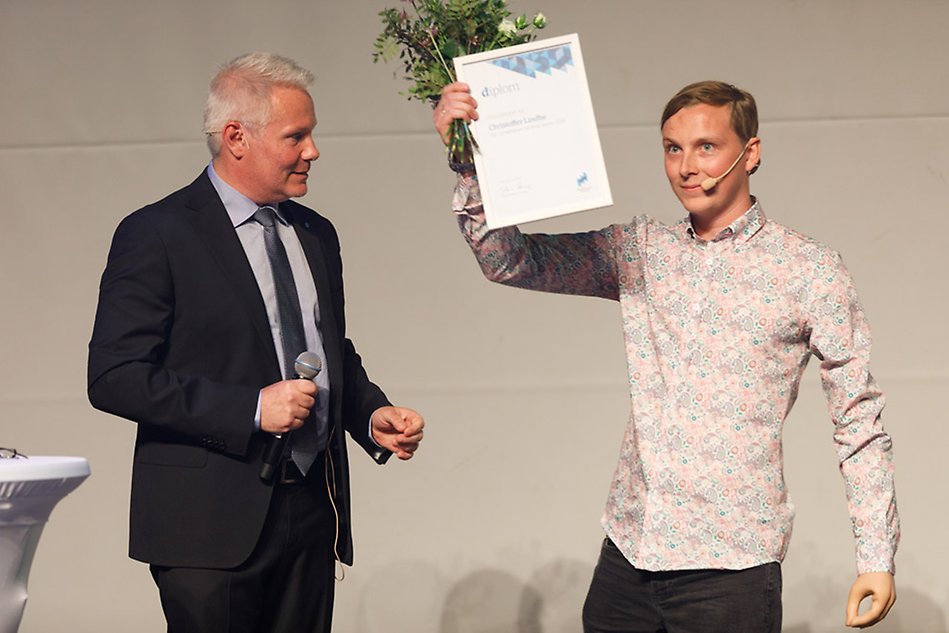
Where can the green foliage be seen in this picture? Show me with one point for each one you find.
(427, 34)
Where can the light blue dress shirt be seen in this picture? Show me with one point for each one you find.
(241, 209)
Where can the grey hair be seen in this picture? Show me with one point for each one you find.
(241, 89)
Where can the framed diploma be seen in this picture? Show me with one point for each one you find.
(538, 150)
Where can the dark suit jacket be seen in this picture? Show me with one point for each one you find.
(182, 346)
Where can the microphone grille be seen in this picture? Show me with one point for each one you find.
(308, 365)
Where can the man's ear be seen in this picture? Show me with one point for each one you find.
(234, 139)
(753, 155)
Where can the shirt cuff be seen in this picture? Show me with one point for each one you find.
(257, 413)
(371, 436)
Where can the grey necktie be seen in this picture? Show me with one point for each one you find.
(304, 440)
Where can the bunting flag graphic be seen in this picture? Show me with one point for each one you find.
(543, 61)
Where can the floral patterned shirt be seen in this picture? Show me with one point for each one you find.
(717, 335)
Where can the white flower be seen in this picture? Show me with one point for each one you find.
(540, 20)
(508, 28)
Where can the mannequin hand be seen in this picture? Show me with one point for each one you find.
(882, 588)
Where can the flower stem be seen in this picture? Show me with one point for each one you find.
(431, 36)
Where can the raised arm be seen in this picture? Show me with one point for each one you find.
(575, 263)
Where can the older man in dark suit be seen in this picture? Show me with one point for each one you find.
(195, 339)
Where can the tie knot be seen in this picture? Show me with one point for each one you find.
(265, 216)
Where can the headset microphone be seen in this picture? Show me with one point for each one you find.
(710, 183)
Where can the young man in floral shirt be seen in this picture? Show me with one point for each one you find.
(721, 313)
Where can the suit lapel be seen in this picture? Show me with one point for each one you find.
(214, 226)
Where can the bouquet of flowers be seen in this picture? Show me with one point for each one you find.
(427, 34)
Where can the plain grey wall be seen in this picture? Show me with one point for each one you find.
(494, 526)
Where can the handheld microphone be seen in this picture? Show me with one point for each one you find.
(710, 183)
(307, 366)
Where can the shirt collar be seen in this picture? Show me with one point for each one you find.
(742, 229)
(239, 207)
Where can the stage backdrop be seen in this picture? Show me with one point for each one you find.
(495, 525)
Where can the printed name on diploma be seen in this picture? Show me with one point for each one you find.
(504, 125)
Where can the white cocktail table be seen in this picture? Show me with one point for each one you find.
(29, 490)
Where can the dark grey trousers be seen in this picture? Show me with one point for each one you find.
(623, 599)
